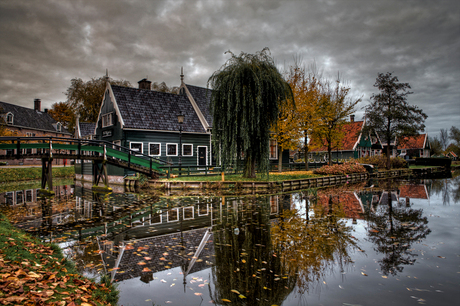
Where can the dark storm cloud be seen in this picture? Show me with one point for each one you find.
(47, 43)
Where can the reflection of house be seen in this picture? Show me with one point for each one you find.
(452, 155)
(28, 122)
(414, 146)
(349, 203)
(413, 191)
(353, 145)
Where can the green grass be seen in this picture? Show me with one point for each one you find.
(39, 266)
(421, 167)
(33, 173)
(274, 177)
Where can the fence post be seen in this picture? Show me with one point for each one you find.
(18, 149)
(150, 167)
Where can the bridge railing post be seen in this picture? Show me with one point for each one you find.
(18, 149)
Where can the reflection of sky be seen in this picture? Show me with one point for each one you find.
(161, 290)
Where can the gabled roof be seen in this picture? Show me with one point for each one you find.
(413, 191)
(413, 142)
(29, 118)
(452, 153)
(86, 128)
(351, 138)
(202, 97)
(154, 110)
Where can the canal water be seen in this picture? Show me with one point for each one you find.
(376, 243)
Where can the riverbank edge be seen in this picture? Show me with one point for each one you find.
(288, 185)
(34, 272)
(16, 174)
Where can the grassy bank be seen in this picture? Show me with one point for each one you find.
(33, 173)
(33, 273)
(274, 177)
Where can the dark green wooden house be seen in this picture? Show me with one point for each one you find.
(145, 120)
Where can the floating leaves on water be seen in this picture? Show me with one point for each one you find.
(141, 263)
(441, 257)
(198, 293)
(146, 270)
(363, 273)
(241, 296)
(235, 291)
(383, 276)
(226, 300)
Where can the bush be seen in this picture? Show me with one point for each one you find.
(381, 161)
(345, 168)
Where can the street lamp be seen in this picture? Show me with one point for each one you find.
(180, 119)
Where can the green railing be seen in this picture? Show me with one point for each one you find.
(18, 147)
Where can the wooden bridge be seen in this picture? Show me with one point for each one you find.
(100, 152)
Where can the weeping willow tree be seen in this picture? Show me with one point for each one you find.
(247, 93)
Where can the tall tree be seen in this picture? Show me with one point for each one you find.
(454, 135)
(247, 93)
(61, 112)
(301, 121)
(436, 146)
(444, 138)
(389, 114)
(334, 108)
(85, 98)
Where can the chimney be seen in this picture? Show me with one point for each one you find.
(37, 104)
(145, 84)
(352, 118)
(46, 110)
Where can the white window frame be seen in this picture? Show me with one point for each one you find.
(189, 208)
(136, 142)
(105, 119)
(198, 155)
(159, 149)
(172, 144)
(58, 127)
(187, 144)
(10, 118)
(177, 215)
(276, 149)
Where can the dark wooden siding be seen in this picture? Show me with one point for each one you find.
(164, 138)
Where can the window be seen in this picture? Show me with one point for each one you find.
(136, 146)
(9, 118)
(171, 149)
(273, 149)
(58, 127)
(187, 150)
(154, 149)
(107, 120)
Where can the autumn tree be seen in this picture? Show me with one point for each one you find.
(390, 115)
(300, 120)
(61, 112)
(247, 93)
(454, 135)
(162, 87)
(436, 146)
(85, 98)
(335, 106)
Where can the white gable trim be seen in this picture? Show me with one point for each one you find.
(115, 105)
(203, 121)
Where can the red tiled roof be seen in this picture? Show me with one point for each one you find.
(413, 191)
(452, 153)
(412, 142)
(351, 131)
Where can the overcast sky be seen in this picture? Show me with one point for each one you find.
(44, 44)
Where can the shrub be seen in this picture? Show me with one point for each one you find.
(381, 161)
(345, 168)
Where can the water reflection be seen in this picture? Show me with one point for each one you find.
(251, 250)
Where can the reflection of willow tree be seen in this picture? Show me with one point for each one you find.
(244, 259)
(311, 245)
(393, 228)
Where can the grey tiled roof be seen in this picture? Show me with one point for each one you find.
(153, 110)
(202, 97)
(30, 118)
(87, 128)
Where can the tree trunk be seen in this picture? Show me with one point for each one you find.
(280, 159)
(306, 154)
(329, 153)
(249, 167)
(388, 157)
